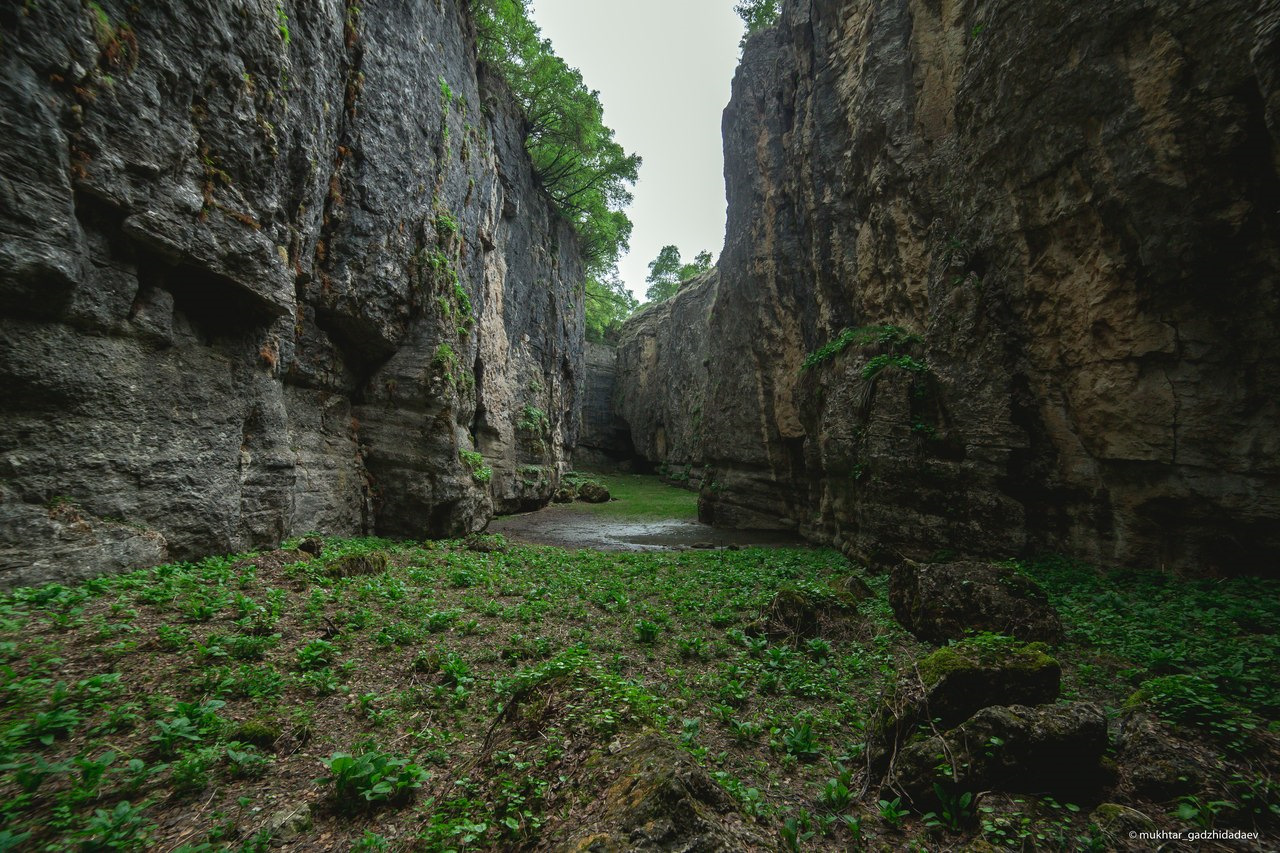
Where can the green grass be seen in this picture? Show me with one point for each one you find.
(643, 497)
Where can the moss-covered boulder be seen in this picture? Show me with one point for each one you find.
(950, 685)
(939, 602)
(959, 679)
(312, 545)
(810, 610)
(1014, 748)
(652, 796)
(355, 565)
(566, 494)
(593, 492)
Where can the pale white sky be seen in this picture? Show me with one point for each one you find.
(663, 69)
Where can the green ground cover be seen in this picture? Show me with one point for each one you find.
(198, 706)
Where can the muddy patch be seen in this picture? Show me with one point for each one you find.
(575, 527)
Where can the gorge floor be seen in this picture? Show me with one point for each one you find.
(644, 514)
(479, 695)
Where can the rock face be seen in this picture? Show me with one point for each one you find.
(266, 270)
(1061, 229)
(604, 440)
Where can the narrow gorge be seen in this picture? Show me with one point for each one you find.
(350, 500)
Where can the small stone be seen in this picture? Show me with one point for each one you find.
(288, 823)
(311, 545)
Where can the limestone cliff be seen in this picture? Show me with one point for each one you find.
(604, 440)
(1059, 226)
(267, 268)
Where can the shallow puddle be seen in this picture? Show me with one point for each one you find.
(575, 526)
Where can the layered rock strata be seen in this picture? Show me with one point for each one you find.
(1058, 228)
(265, 269)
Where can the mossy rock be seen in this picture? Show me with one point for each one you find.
(953, 683)
(261, 732)
(593, 492)
(356, 565)
(988, 670)
(1014, 748)
(854, 587)
(651, 796)
(312, 545)
(939, 602)
(797, 612)
(567, 493)
(1117, 821)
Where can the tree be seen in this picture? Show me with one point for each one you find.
(586, 173)
(757, 15)
(666, 273)
(608, 304)
(701, 263)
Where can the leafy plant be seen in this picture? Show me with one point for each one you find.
(895, 338)
(956, 809)
(892, 812)
(372, 775)
(800, 741)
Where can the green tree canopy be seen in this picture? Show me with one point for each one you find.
(585, 171)
(608, 304)
(667, 273)
(757, 15)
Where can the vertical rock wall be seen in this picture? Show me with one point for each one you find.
(267, 268)
(604, 441)
(1073, 215)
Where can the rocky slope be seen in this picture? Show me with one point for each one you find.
(1062, 225)
(266, 269)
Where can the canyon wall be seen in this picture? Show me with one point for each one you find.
(604, 440)
(268, 268)
(1057, 227)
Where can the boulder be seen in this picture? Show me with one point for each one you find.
(656, 798)
(953, 683)
(1013, 748)
(1155, 764)
(567, 493)
(593, 492)
(312, 545)
(945, 601)
(354, 565)
(805, 612)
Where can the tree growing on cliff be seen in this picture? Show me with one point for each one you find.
(667, 273)
(608, 303)
(757, 15)
(585, 171)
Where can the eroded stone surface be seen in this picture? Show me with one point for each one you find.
(228, 254)
(1072, 208)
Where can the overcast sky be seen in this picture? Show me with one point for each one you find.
(663, 70)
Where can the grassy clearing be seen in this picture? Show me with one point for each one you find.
(456, 700)
(643, 497)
